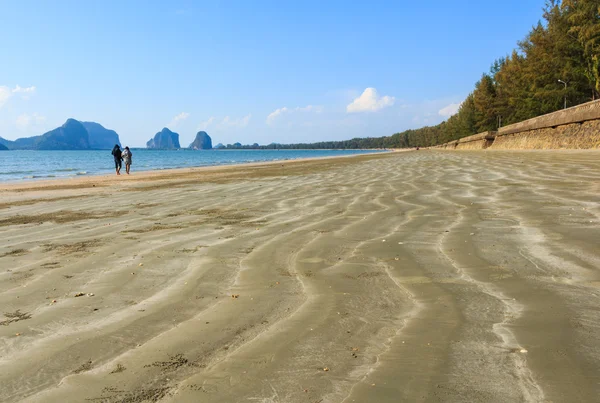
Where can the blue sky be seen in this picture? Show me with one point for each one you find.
(248, 71)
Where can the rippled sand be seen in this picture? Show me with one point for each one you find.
(419, 276)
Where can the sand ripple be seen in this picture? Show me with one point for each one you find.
(422, 276)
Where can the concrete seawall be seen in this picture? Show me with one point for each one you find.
(577, 127)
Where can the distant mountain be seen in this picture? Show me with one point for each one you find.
(164, 139)
(70, 136)
(5, 142)
(73, 135)
(201, 142)
(3, 147)
(101, 138)
(25, 143)
(220, 145)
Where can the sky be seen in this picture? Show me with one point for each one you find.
(248, 71)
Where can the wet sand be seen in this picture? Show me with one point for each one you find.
(428, 276)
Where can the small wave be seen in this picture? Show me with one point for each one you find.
(66, 169)
(81, 173)
(16, 172)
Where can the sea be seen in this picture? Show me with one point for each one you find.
(16, 165)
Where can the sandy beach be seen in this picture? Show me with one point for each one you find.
(422, 276)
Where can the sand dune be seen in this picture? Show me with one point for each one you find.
(421, 276)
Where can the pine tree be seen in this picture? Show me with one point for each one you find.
(584, 18)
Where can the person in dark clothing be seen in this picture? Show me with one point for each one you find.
(116, 152)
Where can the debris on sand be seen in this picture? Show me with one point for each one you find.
(84, 367)
(15, 252)
(14, 317)
(235, 296)
(79, 294)
(119, 368)
(175, 361)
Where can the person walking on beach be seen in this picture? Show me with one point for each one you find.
(127, 159)
(116, 152)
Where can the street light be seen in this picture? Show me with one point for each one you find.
(561, 81)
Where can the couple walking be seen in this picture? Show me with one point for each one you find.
(119, 156)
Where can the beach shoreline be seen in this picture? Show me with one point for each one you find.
(164, 173)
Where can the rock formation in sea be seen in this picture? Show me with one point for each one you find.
(101, 138)
(24, 143)
(70, 136)
(164, 139)
(201, 142)
(73, 135)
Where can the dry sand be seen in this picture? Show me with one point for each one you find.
(420, 277)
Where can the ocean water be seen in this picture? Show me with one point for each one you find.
(32, 165)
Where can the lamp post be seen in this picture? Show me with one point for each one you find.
(561, 81)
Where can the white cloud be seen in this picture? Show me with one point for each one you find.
(239, 122)
(449, 110)
(272, 117)
(178, 119)
(25, 121)
(370, 102)
(27, 90)
(226, 123)
(207, 123)
(246, 120)
(6, 93)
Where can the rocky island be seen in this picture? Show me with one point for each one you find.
(101, 138)
(72, 135)
(164, 139)
(202, 142)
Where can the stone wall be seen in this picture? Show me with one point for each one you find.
(476, 142)
(577, 127)
(472, 145)
(572, 136)
(576, 114)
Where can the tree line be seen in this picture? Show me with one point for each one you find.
(564, 45)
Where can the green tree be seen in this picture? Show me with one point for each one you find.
(584, 19)
(484, 100)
